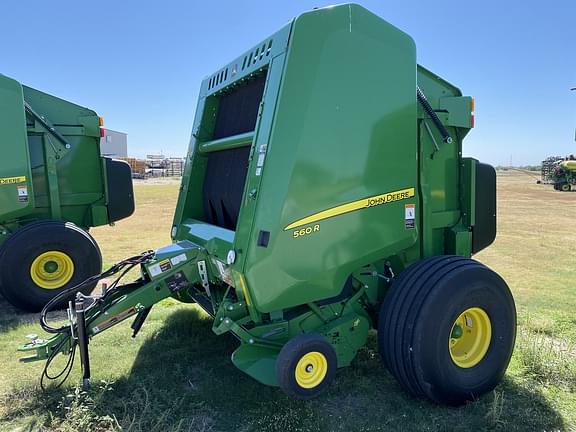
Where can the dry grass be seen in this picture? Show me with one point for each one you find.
(177, 376)
(535, 251)
(148, 228)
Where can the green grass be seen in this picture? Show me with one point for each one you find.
(177, 375)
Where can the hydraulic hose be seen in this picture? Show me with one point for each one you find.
(124, 266)
(435, 119)
(81, 341)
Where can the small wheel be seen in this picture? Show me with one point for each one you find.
(447, 329)
(305, 366)
(565, 187)
(44, 258)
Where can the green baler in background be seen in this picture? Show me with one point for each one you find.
(325, 195)
(54, 185)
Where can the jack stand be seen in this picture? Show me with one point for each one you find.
(82, 341)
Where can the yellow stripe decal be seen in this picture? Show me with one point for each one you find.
(353, 206)
(12, 180)
(245, 290)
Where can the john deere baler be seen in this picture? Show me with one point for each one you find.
(325, 195)
(53, 186)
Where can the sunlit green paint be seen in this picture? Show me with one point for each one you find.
(62, 182)
(339, 123)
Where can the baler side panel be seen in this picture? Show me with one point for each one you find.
(322, 114)
(189, 219)
(189, 205)
(247, 231)
(79, 171)
(441, 179)
(15, 172)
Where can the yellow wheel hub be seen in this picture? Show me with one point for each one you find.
(470, 337)
(311, 370)
(52, 270)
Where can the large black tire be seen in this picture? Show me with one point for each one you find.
(21, 258)
(418, 321)
(305, 366)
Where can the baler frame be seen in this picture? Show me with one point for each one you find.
(313, 210)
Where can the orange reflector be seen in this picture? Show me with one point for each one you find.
(101, 120)
(472, 104)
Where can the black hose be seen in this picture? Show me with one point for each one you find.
(435, 119)
(65, 371)
(125, 265)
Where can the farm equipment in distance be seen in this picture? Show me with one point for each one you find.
(54, 186)
(560, 172)
(564, 176)
(325, 195)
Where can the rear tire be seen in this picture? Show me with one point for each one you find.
(447, 329)
(565, 187)
(44, 258)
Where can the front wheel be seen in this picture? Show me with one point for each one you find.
(305, 366)
(447, 329)
(44, 258)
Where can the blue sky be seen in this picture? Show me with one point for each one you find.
(140, 64)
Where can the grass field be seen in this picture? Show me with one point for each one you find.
(177, 376)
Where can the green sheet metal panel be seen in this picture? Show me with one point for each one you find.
(338, 124)
(79, 169)
(441, 179)
(266, 56)
(16, 194)
(343, 131)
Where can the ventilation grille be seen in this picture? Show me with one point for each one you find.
(218, 78)
(256, 56)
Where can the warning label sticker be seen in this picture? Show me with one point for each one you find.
(165, 265)
(261, 158)
(178, 259)
(22, 193)
(12, 180)
(410, 216)
(160, 267)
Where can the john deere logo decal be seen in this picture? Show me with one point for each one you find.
(360, 204)
(12, 180)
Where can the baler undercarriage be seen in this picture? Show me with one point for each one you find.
(181, 271)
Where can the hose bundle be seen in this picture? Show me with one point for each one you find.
(123, 267)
